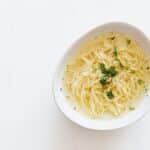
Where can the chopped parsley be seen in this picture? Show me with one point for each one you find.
(112, 71)
(131, 108)
(140, 82)
(107, 73)
(132, 71)
(112, 38)
(121, 65)
(102, 67)
(128, 41)
(115, 52)
(110, 95)
(104, 80)
(146, 89)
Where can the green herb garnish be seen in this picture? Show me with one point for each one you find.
(102, 67)
(146, 89)
(112, 38)
(120, 64)
(110, 95)
(131, 108)
(147, 68)
(140, 82)
(104, 80)
(132, 71)
(128, 41)
(115, 52)
(107, 73)
(112, 71)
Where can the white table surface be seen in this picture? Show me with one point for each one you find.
(33, 36)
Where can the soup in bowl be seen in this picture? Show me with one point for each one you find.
(102, 81)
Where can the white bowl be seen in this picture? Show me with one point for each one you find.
(78, 118)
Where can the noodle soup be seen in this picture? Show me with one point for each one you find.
(109, 76)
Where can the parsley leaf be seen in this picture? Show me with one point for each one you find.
(110, 95)
(115, 52)
(112, 71)
(131, 108)
(104, 80)
(112, 38)
(102, 67)
(140, 82)
(107, 73)
(128, 41)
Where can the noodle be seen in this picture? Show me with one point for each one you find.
(110, 73)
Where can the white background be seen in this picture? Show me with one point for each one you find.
(33, 36)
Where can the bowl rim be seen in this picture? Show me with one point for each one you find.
(69, 49)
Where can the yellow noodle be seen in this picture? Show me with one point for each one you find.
(82, 76)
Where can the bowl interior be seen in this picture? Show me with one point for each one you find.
(59, 95)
